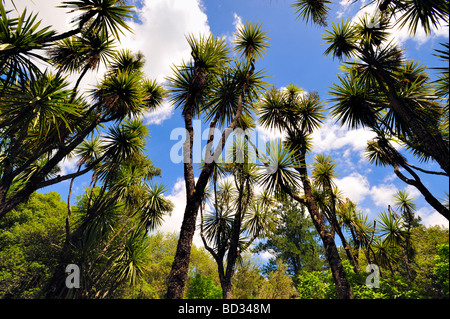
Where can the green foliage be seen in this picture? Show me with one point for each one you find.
(341, 40)
(108, 15)
(430, 269)
(247, 281)
(278, 285)
(441, 270)
(43, 118)
(202, 287)
(18, 36)
(315, 285)
(30, 239)
(294, 242)
(314, 10)
(278, 173)
(319, 285)
(251, 41)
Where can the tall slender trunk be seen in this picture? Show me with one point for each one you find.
(233, 251)
(343, 288)
(180, 266)
(347, 248)
(338, 230)
(195, 191)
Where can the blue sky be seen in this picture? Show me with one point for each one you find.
(295, 56)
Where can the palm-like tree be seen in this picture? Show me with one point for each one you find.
(18, 37)
(82, 53)
(411, 14)
(42, 120)
(314, 10)
(292, 112)
(238, 218)
(115, 216)
(214, 86)
(407, 206)
(323, 175)
(392, 247)
(381, 152)
(404, 106)
(407, 107)
(362, 232)
(426, 13)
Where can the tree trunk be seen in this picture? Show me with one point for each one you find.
(180, 266)
(343, 288)
(417, 183)
(38, 181)
(432, 140)
(195, 191)
(226, 289)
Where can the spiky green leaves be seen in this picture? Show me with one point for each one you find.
(103, 15)
(192, 81)
(380, 151)
(278, 171)
(314, 10)
(324, 172)
(155, 207)
(208, 52)
(125, 92)
(290, 109)
(354, 102)
(427, 13)
(121, 95)
(341, 39)
(41, 107)
(86, 51)
(18, 36)
(211, 83)
(126, 140)
(251, 41)
(260, 219)
(391, 229)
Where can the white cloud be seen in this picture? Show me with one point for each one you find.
(345, 4)
(390, 178)
(412, 191)
(355, 186)
(332, 136)
(49, 13)
(237, 21)
(266, 255)
(60, 19)
(68, 165)
(159, 33)
(430, 217)
(401, 34)
(162, 113)
(161, 30)
(382, 195)
(267, 134)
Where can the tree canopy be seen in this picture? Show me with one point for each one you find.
(272, 219)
